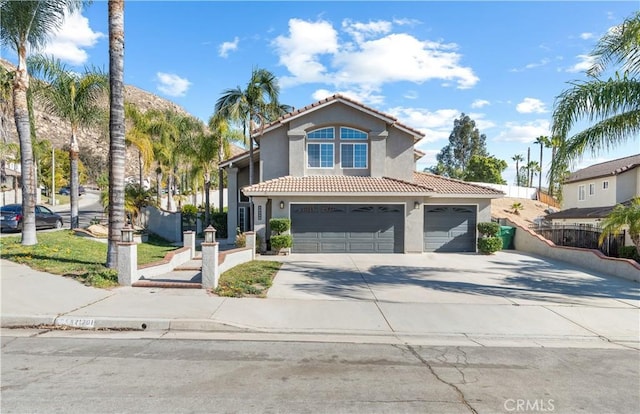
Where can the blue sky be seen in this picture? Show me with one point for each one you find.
(503, 63)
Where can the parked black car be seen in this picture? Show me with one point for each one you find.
(11, 218)
(67, 190)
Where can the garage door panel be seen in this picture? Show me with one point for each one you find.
(348, 228)
(449, 228)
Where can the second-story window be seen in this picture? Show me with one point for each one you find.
(592, 189)
(320, 154)
(581, 193)
(353, 154)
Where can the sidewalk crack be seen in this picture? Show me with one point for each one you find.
(83, 306)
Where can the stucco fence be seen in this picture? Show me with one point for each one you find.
(526, 240)
(214, 262)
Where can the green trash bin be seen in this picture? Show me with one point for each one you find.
(507, 233)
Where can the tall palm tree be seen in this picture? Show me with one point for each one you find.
(252, 107)
(517, 158)
(74, 98)
(117, 149)
(554, 143)
(27, 25)
(623, 216)
(224, 136)
(612, 105)
(532, 168)
(543, 141)
(138, 135)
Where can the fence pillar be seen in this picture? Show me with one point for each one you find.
(251, 243)
(210, 271)
(127, 263)
(189, 240)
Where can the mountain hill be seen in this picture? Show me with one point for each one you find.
(94, 142)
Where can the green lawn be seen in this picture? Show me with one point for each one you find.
(63, 253)
(248, 279)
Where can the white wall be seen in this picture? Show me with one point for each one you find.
(513, 190)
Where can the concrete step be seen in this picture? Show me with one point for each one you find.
(194, 264)
(153, 283)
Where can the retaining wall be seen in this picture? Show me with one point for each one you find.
(526, 240)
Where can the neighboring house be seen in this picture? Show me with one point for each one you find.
(344, 173)
(589, 194)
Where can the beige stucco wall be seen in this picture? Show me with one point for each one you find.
(628, 185)
(601, 198)
(527, 241)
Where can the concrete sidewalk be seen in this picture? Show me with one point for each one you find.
(31, 298)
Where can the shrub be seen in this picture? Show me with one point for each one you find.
(280, 225)
(489, 245)
(629, 252)
(281, 241)
(241, 239)
(219, 222)
(516, 207)
(488, 229)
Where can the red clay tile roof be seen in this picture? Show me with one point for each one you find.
(340, 98)
(336, 184)
(604, 169)
(425, 184)
(444, 185)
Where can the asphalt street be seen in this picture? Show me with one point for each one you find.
(102, 372)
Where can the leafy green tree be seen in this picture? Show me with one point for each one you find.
(621, 217)
(465, 141)
(485, 169)
(252, 107)
(26, 26)
(612, 105)
(117, 145)
(75, 98)
(138, 135)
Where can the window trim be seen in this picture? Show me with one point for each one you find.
(605, 185)
(582, 192)
(592, 189)
(320, 144)
(354, 144)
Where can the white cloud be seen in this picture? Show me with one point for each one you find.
(525, 132)
(436, 125)
(481, 123)
(479, 103)
(584, 63)
(70, 41)
(300, 51)
(587, 36)
(172, 84)
(372, 55)
(226, 47)
(410, 95)
(531, 105)
(541, 62)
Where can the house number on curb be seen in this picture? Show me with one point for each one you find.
(76, 323)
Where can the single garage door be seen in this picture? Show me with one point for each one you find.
(347, 228)
(449, 228)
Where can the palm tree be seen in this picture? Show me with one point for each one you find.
(74, 98)
(138, 135)
(612, 105)
(224, 136)
(543, 141)
(26, 25)
(252, 107)
(117, 149)
(532, 168)
(554, 143)
(623, 216)
(517, 158)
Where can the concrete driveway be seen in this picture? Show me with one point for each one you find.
(508, 277)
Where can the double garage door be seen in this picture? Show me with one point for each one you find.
(347, 228)
(449, 228)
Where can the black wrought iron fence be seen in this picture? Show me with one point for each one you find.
(582, 236)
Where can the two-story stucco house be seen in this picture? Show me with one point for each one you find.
(344, 173)
(589, 194)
